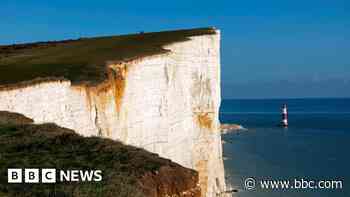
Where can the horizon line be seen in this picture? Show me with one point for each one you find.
(279, 98)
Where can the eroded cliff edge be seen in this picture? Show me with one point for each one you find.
(166, 102)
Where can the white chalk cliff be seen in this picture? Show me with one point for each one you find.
(166, 103)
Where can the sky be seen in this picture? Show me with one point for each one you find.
(270, 48)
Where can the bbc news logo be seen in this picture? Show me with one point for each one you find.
(51, 175)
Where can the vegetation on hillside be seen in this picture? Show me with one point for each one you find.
(127, 171)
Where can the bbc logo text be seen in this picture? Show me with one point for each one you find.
(51, 175)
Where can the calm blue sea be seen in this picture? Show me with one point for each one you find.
(315, 146)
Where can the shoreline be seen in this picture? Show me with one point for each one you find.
(230, 128)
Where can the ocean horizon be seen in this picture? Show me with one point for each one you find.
(312, 148)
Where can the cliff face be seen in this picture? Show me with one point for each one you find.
(166, 103)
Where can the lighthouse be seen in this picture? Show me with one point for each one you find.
(284, 121)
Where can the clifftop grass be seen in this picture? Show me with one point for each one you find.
(82, 60)
(49, 146)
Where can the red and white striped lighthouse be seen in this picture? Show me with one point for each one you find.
(284, 121)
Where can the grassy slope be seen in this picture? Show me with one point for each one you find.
(82, 60)
(49, 146)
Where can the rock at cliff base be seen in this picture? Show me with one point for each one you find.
(227, 128)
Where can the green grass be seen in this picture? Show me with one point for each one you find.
(82, 60)
(50, 146)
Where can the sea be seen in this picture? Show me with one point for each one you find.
(311, 156)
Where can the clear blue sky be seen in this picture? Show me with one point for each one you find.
(270, 48)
